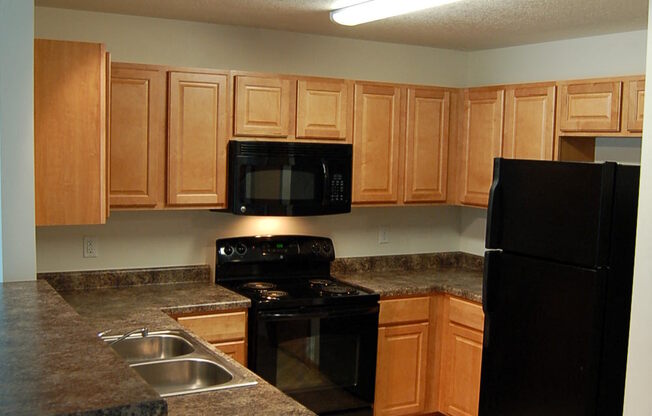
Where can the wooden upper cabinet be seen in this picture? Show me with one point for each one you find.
(590, 106)
(197, 137)
(264, 107)
(138, 133)
(377, 141)
(529, 122)
(324, 109)
(426, 155)
(482, 136)
(635, 103)
(70, 132)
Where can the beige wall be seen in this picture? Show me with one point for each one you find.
(596, 56)
(134, 239)
(17, 140)
(148, 40)
(174, 42)
(638, 400)
(142, 239)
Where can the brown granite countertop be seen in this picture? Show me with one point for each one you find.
(52, 363)
(458, 274)
(122, 308)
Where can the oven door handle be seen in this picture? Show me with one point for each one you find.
(320, 313)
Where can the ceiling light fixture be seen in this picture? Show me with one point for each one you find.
(372, 10)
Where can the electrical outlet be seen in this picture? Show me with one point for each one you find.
(90, 246)
(383, 235)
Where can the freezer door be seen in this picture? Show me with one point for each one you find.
(553, 210)
(542, 338)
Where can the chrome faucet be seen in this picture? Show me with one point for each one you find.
(143, 332)
(103, 333)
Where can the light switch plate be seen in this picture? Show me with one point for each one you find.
(383, 234)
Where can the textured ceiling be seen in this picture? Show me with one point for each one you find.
(466, 25)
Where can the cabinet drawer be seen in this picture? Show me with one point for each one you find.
(395, 311)
(218, 327)
(466, 313)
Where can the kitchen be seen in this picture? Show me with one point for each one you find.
(154, 239)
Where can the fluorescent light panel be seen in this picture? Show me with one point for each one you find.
(373, 10)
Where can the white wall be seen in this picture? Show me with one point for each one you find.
(175, 42)
(133, 239)
(596, 56)
(638, 400)
(164, 41)
(17, 139)
(150, 239)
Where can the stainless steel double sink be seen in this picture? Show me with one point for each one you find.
(174, 363)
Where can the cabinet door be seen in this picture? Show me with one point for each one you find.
(426, 155)
(197, 139)
(529, 122)
(636, 100)
(482, 136)
(401, 369)
(588, 107)
(262, 107)
(461, 366)
(376, 143)
(235, 349)
(137, 147)
(323, 109)
(69, 132)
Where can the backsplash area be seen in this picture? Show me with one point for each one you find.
(174, 238)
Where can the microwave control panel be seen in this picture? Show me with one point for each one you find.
(337, 188)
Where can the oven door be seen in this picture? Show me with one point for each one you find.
(288, 179)
(325, 358)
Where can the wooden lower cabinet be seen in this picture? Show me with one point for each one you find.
(235, 349)
(226, 331)
(401, 369)
(429, 356)
(402, 357)
(461, 357)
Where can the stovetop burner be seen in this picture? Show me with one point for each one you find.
(259, 285)
(284, 272)
(273, 294)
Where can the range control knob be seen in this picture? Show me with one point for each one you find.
(228, 250)
(241, 249)
(326, 248)
(315, 247)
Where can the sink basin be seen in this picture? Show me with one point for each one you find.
(174, 363)
(184, 375)
(156, 346)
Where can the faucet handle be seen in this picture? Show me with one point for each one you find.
(102, 333)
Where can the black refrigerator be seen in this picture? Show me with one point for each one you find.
(557, 288)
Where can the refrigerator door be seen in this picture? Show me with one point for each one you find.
(553, 210)
(542, 337)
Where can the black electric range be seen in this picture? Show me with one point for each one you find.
(309, 335)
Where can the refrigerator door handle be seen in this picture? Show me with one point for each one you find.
(494, 225)
(489, 279)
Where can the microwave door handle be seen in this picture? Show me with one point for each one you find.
(324, 167)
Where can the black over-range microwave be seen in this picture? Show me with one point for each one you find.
(289, 179)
